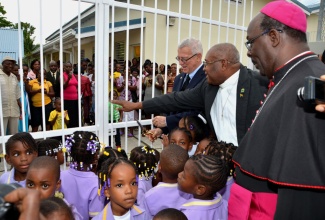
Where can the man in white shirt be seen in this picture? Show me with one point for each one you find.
(10, 97)
(230, 113)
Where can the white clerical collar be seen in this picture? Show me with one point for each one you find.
(231, 80)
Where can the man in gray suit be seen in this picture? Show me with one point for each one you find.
(229, 97)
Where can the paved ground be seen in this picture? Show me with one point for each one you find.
(131, 143)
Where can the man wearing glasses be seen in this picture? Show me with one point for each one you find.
(190, 59)
(280, 163)
(229, 97)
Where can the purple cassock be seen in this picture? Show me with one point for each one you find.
(8, 177)
(136, 213)
(162, 196)
(143, 187)
(225, 191)
(197, 209)
(80, 190)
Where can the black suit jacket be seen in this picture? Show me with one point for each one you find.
(55, 82)
(173, 119)
(251, 88)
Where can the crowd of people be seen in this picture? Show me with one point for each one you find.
(237, 144)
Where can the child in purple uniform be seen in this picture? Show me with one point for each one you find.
(204, 176)
(119, 180)
(166, 193)
(79, 183)
(21, 150)
(44, 176)
(224, 151)
(146, 161)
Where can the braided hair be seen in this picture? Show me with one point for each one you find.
(144, 158)
(210, 172)
(82, 147)
(109, 153)
(223, 151)
(25, 138)
(48, 147)
(199, 128)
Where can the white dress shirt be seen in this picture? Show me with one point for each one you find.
(223, 111)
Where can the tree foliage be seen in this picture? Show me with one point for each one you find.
(3, 20)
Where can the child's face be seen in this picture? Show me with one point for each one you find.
(201, 146)
(123, 190)
(181, 139)
(115, 96)
(186, 180)
(43, 181)
(58, 105)
(60, 157)
(20, 157)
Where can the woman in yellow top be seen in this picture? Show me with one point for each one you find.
(34, 89)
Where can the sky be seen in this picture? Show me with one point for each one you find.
(30, 12)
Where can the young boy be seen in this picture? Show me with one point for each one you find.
(117, 117)
(55, 116)
(166, 194)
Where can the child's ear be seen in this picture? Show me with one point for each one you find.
(159, 167)
(200, 189)
(58, 184)
(106, 193)
(7, 158)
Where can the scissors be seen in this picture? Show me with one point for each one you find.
(144, 131)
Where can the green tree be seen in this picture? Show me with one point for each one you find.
(3, 20)
(29, 47)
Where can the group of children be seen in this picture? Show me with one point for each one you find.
(103, 183)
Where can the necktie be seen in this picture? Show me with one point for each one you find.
(187, 81)
(54, 75)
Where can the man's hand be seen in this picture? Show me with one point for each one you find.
(159, 121)
(154, 134)
(321, 107)
(128, 106)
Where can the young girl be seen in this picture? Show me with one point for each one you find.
(44, 176)
(181, 137)
(198, 128)
(52, 148)
(21, 150)
(204, 176)
(79, 183)
(144, 158)
(119, 183)
(224, 151)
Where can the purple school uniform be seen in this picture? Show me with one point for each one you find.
(8, 177)
(197, 209)
(74, 211)
(80, 190)
(225, 191)
(162, 196)
(143, 187)
(136, 214)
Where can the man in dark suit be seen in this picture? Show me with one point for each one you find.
(54, 77)
(189, 55)
(240, 93)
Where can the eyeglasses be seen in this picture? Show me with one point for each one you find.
(205, 63)
(184, 60)
(249, 43)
